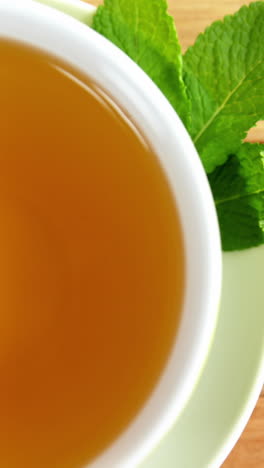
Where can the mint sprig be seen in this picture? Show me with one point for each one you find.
(217, 88)
(238, 190)
(146, 33)
(224, 75)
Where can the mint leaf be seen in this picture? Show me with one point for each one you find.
(238, 190)
(224, 75)
(144, 31)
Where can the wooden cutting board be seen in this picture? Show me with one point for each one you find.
(191, 18)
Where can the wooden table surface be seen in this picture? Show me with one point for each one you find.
(191, 18)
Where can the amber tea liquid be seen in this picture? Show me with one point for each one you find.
(92, 266)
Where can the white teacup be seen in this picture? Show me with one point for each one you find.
(75, 43)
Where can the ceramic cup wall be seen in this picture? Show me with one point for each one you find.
(75, 43)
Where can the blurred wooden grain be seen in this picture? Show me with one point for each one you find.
(191, 18)
(249, 451)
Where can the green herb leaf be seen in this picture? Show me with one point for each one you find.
(238, 189)
(224, 74)
(144, 31)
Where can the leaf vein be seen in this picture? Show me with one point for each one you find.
(221, 107)
(238, 197)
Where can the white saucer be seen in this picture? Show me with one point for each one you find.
(232, 378)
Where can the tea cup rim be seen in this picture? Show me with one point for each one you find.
(83, 48)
